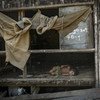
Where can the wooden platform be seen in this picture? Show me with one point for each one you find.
(84, 78)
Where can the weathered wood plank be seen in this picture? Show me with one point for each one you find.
(84, 78)
(88, 93)
(48, 6)
(69, 81)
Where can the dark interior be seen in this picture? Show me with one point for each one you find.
(49, 40)
(12, 14)
(42, 63)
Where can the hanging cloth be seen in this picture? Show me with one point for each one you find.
(16, 34)
(64, 25)
(16, 40)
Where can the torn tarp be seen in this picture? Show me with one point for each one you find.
(16, 34)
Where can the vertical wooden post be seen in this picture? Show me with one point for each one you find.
(25, 72)
(98, 23)
(96, 46)
(99, 52)
(60, 36)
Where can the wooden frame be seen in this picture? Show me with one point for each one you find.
(93, 50)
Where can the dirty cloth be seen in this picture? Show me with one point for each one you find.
(16, 40)
(16, 34)
(64, 25)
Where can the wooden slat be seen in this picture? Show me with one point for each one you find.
(62, 51)
(69, 81)
(48, 6)
(58, 51)
(90, 94)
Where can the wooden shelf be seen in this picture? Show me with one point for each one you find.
(47, 6)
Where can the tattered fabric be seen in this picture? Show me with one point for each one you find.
(16, 34)
(16, 40)
(64, 25)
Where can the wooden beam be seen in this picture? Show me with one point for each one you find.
(62, 81)
(89, 93)
(98, 32)
(96, 45)
(64, 51)
(48, 6)
(84, 78)
(58, 51)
